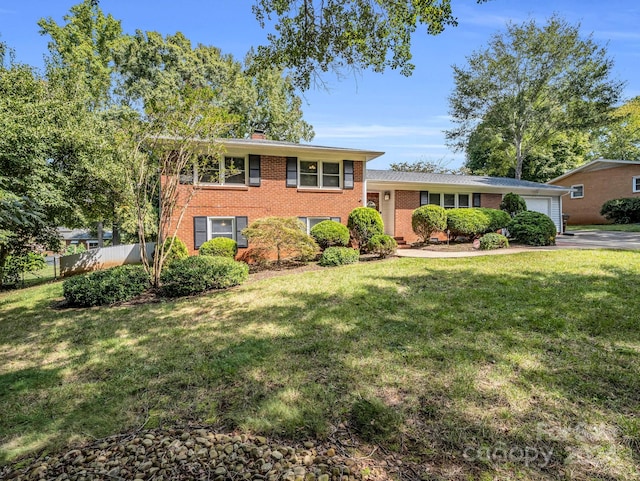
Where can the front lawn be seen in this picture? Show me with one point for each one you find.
(606, 227)
(524, 366)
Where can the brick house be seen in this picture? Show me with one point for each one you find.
(595, 183)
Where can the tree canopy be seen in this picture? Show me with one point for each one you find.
(531, 84)
(621, 138)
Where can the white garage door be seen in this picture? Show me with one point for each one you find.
(539, 204)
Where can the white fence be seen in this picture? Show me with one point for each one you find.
(103, 258)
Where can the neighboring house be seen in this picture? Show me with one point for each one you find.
(595, 183)
(83, 237)
(269, 178)
(398, 194)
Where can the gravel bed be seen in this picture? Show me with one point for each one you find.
(186, 454)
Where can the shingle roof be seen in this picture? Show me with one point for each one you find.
(594, 165)
(455, 179)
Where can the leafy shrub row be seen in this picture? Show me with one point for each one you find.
(337, 256)
(330, 233)
(533, 228)
(219, 246)
(622, 211)
(200, 273)
(492, 241)
(467, 222)
(427, 220)
(109, 286)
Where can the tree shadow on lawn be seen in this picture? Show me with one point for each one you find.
(474, 362)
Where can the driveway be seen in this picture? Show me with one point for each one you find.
(582, 239)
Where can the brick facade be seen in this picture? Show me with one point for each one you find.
(599, 186)
(271, 198)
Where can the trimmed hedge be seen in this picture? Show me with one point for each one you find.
(200, 273)
(329, 233)
(337, 256)
(382, 244)
(363, 224)
(513, 204)
(467, 222)
(109, 286)
(533, 228)
(178, 250)
(428, 219)
(492, 241)
(622, 211)
(498, 219)
(219, 246)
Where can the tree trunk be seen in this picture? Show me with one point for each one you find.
(519, 158)
(100, 235)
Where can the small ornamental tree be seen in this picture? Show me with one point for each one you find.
(428, 219)
(363, 224)
(513, 204)
(284, 235)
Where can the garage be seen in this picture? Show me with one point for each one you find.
(539, 204)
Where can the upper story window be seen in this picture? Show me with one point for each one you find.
(636, 183)
(227, 171)
(319, 174)
(577, 191)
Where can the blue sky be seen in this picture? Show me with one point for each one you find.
(402, 116)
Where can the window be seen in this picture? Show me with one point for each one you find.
(434, 198)
(463, 200)
(319, 174)
(205, 228)
(221, 227)
(232, 170)
(449, 201)
(636, 183)
(310, 222)
(577, 191)
(92, 244)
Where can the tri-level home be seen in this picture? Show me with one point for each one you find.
(260, 178)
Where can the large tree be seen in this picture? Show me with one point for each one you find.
(530, 84)
(621, 138)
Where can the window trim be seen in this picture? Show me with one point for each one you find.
(635, 184)
(231, 184)
(320, 174)
(573, 193)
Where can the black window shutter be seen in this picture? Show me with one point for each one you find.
(476, 200)
(347, 172)
(199, 231)
(424, 197)
(292, 171)
(254, 170)
(241, 223)
(335, 219)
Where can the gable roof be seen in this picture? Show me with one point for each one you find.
(594, 165)
(472, 181)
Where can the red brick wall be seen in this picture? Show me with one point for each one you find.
(492, 201)
(599, 187)
(272, 198)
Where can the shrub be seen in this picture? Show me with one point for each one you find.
(513, 204)
(622, 211)
(219, 246)
(200, 273)
(428, 219)
(467, 222)
(492, 241)
(498, 219)
(109, 286)
(374, 420)
(337, 256)
(533, 228)
(329, 233)
(74, 249)
(178, 250)
(284, 235)
(382, 244)
(363, 224)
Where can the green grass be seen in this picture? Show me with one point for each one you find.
(535, 352)
(606, 227)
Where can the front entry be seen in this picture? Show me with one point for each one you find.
(373, 200)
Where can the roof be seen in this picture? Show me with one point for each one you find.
(81, 234)
(594, 165)
(279, 148)
(472, 181)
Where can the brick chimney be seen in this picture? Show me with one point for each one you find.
(258, 135)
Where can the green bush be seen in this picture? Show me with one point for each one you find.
(337, 256)
(109, 286)
(286, 236)
(363, 224)
(200, 273)
(382, 244)
(622, 211)
(492, 241)
(428, 219)
(533, 228)
(330, 233)
(467, 222)
(513, 204)
(219, 246)
(178, 250)
(374, 420)
(498, 219)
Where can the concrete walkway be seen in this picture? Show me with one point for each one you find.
(580, 240)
